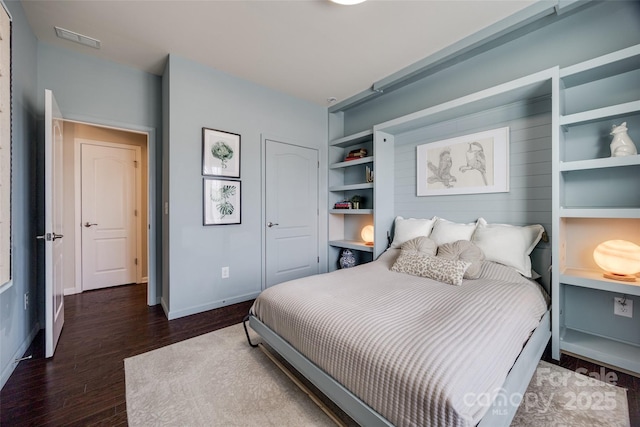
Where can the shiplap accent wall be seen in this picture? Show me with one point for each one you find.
(529, 198)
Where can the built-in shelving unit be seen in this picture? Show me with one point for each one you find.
(596, 198)
(347, 178)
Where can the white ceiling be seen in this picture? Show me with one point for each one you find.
(311, 49)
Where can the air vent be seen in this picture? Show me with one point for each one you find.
(78, 38)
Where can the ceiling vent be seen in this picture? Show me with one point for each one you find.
(78, 38)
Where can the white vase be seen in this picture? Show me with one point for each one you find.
(621, 144)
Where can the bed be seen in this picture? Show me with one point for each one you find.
(392, 348)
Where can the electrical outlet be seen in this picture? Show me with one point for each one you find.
(225, 272)
(26, 301)
(623, 307)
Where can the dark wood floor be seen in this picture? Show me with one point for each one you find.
(84, 383)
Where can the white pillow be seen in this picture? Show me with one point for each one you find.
(508, 244)
(448, 232)
(410, 228)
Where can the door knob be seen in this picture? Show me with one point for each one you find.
(271, 224)
(88, 224)
(50, 237)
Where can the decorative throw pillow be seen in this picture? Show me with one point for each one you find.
(508, 244)
(440, 269)
(465, 251)
(408, 228)
(420, 244)
(446, 231)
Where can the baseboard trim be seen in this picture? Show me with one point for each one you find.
(209, 306)
(70, 291)
(144, 280)
(11, 366)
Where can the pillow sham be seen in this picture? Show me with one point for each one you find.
(445, 231)
(508, 244)
(421, 244)
(422, 265)
(465, 251)
(408, 228)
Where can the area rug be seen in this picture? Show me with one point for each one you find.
(216, 379)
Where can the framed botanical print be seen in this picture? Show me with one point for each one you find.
(220, 153)
(221, 202)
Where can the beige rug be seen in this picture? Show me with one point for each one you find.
(218, 380)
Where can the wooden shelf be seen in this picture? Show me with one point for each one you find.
(609, 65)
(362, 161)
(351, 211)
(532, 87)
(594, 280)
(351, 244)
(363, 186)
(606, 162)
(612, 352)
(631, 213)
(356, 138)
(600, 114)
(594, 200)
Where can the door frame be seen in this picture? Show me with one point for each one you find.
(77, 158)
(153, 294)
(322, 202)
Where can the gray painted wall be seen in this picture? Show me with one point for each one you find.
(576, 37)
(17, 326)
(93, 89)
(101, 92)
(593, 31)
(203, 97)
(529, 198)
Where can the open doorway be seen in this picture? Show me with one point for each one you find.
(80, 257)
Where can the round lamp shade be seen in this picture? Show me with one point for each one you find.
(619, 257)
(367, 234)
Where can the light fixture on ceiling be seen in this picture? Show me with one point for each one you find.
(332, 100)
(348, 2)
(77, 38)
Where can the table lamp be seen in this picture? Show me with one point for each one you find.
(620, 259)
(367, 235)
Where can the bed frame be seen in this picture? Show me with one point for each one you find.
(499, 414)
(503, 408)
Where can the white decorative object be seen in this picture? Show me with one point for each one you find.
(621, 144)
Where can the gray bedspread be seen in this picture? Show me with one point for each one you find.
(419, 352)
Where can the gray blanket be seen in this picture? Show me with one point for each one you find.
(419, 352)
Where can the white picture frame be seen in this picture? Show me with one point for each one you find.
(469, 164)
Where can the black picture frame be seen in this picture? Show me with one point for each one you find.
(220, 153)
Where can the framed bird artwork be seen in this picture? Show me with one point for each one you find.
(469, 164)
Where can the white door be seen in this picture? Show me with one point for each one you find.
(291, 212)
(53, 201)
(108, 193)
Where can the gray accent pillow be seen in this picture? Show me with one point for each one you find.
(421, 244)
(441, 269)
(464, 250)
